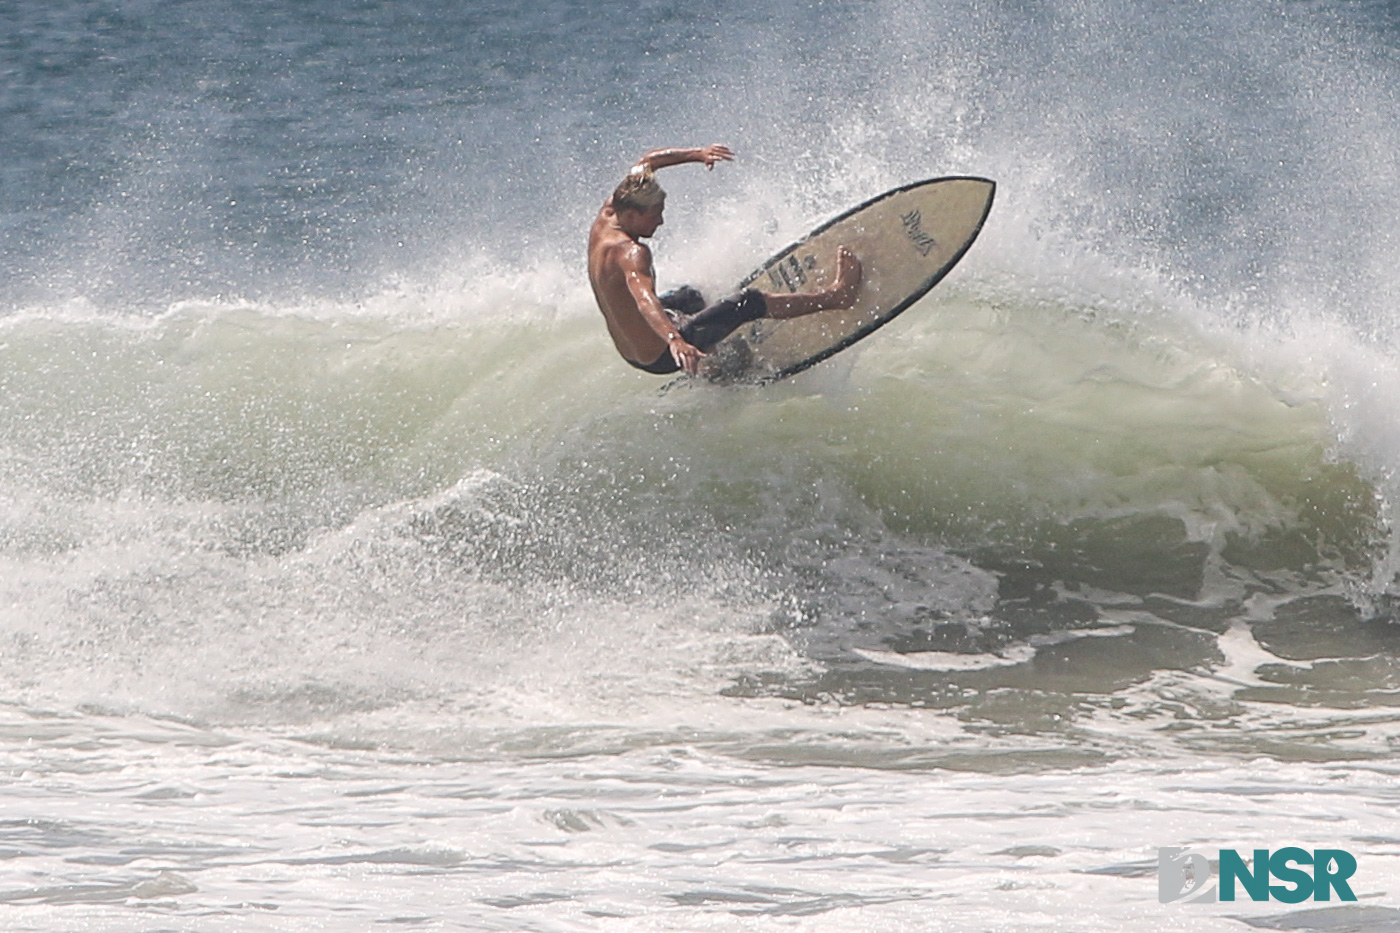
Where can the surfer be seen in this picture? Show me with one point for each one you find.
(665, 333)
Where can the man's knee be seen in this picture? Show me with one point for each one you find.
(685, 299)
(721, 319)
(752, 305)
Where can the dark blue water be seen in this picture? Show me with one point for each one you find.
(184, 149)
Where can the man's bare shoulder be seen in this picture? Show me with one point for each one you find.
(633, 255)
(616, 249)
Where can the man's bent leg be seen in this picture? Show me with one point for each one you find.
(721, 319)
(841, 294)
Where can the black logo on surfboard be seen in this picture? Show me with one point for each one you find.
(791, 273)
(914, 230)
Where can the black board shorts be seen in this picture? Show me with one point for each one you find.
(704, 326)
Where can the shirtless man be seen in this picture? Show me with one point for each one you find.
(664, 334)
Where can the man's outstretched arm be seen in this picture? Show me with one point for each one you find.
(661, 158)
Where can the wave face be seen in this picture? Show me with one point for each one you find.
(308, 415)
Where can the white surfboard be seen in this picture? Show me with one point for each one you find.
(907, 240)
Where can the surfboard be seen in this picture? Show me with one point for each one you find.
(907, 240)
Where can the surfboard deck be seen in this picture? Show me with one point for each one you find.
(907, 240)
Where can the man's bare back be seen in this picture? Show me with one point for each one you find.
(617, 265)
(621, 272)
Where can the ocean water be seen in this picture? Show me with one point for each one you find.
(349, 581)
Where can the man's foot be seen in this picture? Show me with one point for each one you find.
(848, 277)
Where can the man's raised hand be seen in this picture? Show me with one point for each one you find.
(714, 153)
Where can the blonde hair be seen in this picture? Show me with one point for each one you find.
(639, 191)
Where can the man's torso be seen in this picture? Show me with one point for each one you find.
(631, 333)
